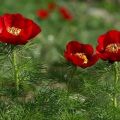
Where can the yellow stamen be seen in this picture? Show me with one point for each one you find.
(14, 31)
(82, 56)
(113, 48)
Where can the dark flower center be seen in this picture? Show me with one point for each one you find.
(82, 56)
(113, 48)
(14, 31)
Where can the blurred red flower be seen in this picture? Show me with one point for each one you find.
(65, 13)
(43, 14)
(16, 29)
(80, 54)
(51, 6)
(109, 46)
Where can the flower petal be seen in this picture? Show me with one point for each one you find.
(112, 36)
(100, 46)
(73, 47)
(87, 49)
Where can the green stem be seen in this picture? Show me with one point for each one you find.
(15, 69)
(72, 73)
(115, 84)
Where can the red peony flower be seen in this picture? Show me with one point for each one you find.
(17, 30)
(51, 6)
(109, 46)
(43, 14)
(80, 54)
(65, 13)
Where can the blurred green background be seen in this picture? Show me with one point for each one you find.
(47, 89)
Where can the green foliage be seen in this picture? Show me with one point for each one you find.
(48, 104)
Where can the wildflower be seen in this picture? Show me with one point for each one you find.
(109, 46)
(81, 55)
(16, 29)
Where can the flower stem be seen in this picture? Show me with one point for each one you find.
(115, 84)
(72, 73)
(15, 69)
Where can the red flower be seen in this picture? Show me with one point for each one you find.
(109, 46)
(51, 6)
(80, 54)
(43, 14)
(65, 13)
(17, 30)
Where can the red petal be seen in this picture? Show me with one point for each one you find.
(1, 25)
(100, 46)
(35, 30)
(74, 59)
(30, 30)
(15, 20)
(110, 56)
(87, 49)
(112, 36)
(7, 20)
(67, 56)
(73, 47)
(93, 60)
(77, 61)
